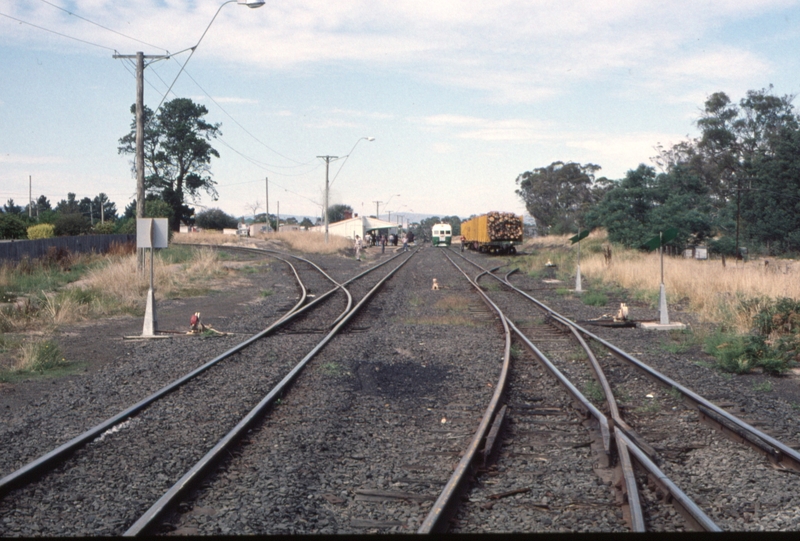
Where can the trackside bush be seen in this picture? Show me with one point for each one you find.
(41, 231)
(773, 346)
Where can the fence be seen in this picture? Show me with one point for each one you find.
(16, 250)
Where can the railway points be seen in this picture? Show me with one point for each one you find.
(367, 438)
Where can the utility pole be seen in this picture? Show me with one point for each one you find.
(278, 218)
(140, 58)
(328, 160)
(267, 211)
(377, 206)
(30, 197)
(91, 212)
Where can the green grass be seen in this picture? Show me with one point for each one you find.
(37, 359)
(267, 292)
(594, 391)
(764, 387)
(332, 369)
(176, 253)
(651, 406)
(594, 298)
(675, 393)
(678, 342)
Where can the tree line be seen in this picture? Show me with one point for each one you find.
(735, 186)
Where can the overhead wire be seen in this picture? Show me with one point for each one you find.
(299, 164)
(169, 89)
(103, 27)
(58, 33)
(165, 94)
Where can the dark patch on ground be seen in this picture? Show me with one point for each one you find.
(398, 380)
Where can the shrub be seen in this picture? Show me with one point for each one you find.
(41, 231)
(215, 219)
(12, 227)
(127, 226)
(105, 228)
(743, 354)
(71, 225)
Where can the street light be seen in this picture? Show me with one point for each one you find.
(328, 160)
(140, 58)
(378, 204)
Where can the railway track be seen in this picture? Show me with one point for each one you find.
(239, 376)
(659, 429)
(372, 437)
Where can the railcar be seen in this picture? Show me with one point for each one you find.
(441, 234)
(494, 232)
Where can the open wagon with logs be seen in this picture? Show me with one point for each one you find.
(493, 232)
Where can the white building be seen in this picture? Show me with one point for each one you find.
(360, 225)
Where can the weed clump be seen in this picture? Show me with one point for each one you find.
(39, 356)
(773, 345)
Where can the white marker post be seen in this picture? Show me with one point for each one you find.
(577, 239)
(151, 233)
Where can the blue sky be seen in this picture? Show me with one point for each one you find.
(460, 97)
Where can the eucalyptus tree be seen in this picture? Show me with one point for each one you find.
(558, 196)
(178, 155)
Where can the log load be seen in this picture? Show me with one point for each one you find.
(504, 226)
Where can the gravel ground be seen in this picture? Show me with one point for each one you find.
(365, 439)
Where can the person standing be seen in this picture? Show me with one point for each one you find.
(383, 244)
(358, 244)
(405, 243)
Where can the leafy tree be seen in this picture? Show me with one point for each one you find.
(772, 206)
(43, 204)
(68, 205)
(156, 208)
(558, 195)
(455, 224)
(306, 223)
(11, 226)
(177, 155)
(11, 208)
(336, 213)
(71, 225)
(130, 209)
(735, 157)
(215, 219)
(643, 203)
(625, 209)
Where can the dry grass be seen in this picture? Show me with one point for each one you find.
(299, 241)
(729, 294)
(119, 277)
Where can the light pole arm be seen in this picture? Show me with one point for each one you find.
(348, 155)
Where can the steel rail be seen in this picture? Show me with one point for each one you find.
(268, 251)
(685, 505)
(623, 434)
(26, 473)
(148, 520)
(436, 519)
(731, 426)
